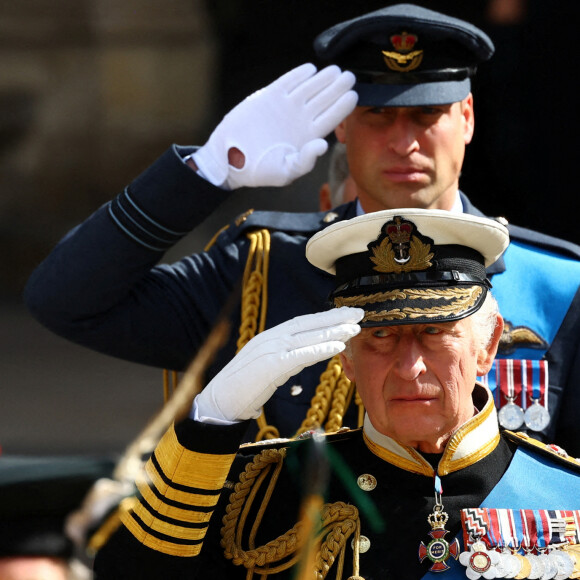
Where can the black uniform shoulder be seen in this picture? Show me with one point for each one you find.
(305, 223)
(549, 451)
(544, 241)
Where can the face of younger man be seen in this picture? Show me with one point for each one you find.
(407, 156)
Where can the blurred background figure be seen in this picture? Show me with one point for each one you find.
(340, 187)
(37, 494)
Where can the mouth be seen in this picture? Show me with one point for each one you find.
(405, 174)
(413, 399)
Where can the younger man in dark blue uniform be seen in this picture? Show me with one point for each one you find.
(405, 141)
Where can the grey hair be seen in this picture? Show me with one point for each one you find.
(485, 320)
(338, 171)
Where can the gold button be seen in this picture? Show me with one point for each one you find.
(367, 482)
(330, 217)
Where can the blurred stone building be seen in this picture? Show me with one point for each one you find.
(91, 91)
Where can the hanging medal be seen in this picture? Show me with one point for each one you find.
(544, 538)
(559, 537)
(511, 416)
(529, 543)
(438, 550)
(478, 559)
(537, 417)
(510, 560)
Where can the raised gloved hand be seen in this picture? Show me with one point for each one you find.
(270, 359)
(279, 130)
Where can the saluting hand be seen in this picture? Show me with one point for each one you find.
(277, 133)
(270, 359)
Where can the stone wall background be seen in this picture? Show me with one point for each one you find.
(91, 91)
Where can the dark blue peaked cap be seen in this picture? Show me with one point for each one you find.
(406, 55)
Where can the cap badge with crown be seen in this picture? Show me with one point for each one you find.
(403, 58)
(398, 250)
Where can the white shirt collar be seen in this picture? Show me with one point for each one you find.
(457, 205)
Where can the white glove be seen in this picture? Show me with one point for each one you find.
(270, 359)
(279, 129)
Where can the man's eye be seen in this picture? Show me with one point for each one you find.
(381, 332)
(432, 330)
(430, 110)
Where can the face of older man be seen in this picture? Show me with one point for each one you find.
(416, 381)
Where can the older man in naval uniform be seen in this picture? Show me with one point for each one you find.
(429, 485)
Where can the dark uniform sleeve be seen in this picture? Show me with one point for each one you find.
(165, 531)
(100, 287)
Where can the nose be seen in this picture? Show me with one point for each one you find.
(410, 363)
(402, 136)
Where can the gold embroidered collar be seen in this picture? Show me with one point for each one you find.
(474, 440)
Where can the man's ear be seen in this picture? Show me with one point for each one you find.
(324, 197)
(347, 366)
(487, 354)
(468, 113)
(340, 132)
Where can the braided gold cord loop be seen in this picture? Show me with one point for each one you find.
(335, 543)
(250, 309)
(361, 408)
(339, 522)
(320, 402)
(266, 431)
(340, 401)
(236, 511)
(255, 304)
(255, 284)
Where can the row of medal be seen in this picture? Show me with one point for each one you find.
(520, 389)
(502, 543)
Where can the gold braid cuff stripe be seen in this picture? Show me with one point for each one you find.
(189, 468)
(180, 497)
(157, 544)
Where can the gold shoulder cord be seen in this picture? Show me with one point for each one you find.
(339, 521)
(334, 392)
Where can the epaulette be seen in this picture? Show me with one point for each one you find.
(342, 434)
(550, 451)
(293, 222)
(306, 223)
(550, 243)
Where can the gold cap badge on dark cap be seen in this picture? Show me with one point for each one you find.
(403, 58)
(409, 266)
(405, 55)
